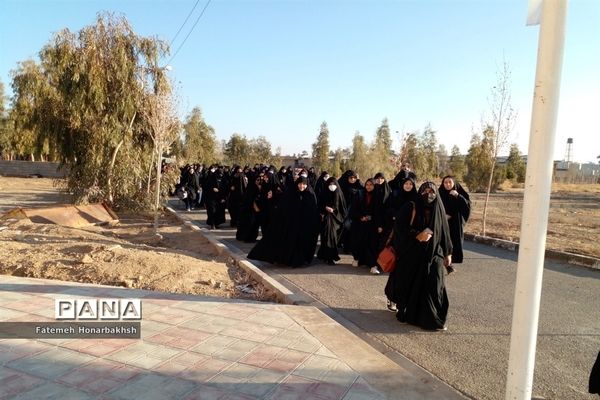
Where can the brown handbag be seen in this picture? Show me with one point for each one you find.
(387, 256)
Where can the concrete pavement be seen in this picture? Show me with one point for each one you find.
(195, 347)
(473, 355)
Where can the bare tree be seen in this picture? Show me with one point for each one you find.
(160, 114)
(503, 121)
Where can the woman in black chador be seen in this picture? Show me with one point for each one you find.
(237, 188)
(458, 208)
(366, 227)
(216, 194)
(352, 190)
(332, 208)
(293, 233)
(248, 219)
(423, 250)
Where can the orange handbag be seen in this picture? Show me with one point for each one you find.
(387, 259)
(387, 256)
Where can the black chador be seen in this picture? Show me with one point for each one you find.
(248, 217)
(332, 209)
(366, 219)
(352, 190)
(423, 249)
(237, 188)
(216, 194)
(458, 208)
(293, 233)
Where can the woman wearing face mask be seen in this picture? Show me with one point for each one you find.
(332, 208)
(458, 208)
(423, 250)
(293, 235)
(321, 183)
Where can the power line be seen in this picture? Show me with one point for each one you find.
(190, 32)
(182, 25)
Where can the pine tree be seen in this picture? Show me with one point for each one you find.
(515, 167)
(359, 161)
(320, 149)
(335, 168)
(381, 154)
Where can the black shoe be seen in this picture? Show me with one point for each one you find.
(330, 262)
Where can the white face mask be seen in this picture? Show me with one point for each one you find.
(304, 175)
(212, 170)
(332, 188)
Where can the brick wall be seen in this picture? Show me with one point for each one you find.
(26, 168)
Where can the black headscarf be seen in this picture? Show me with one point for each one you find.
(432, 215)
(452, 205)
(333, 199)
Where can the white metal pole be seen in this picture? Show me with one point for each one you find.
(536, 203)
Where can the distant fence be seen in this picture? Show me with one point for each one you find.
(28, 168)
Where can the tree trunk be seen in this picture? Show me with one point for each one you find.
(150, 174)
(157, 201)
(487, 197)
(114, 158)
(32, 157)
(110, 169)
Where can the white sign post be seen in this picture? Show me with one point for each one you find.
(536, 203)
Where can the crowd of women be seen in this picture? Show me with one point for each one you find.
(293, 207)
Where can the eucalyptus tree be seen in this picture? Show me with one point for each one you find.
(260, 150)
(237, 150)
(456, 163)
(4, 132)
(479, 160)
(33, 100)
(199, 142)
(93, 85)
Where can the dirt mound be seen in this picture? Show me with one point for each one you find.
(126, 254)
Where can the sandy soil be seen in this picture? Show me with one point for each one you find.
(573, 218)
(125, 254)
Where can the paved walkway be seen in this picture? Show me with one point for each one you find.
(194, 347)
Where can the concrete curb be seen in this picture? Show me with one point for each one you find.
(283, 294)
(577, 259)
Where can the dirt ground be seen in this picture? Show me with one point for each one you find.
(573, 218)
(125, 254)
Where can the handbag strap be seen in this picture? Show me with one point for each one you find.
(412, 219)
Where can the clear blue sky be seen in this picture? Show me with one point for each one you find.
(280, 68)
